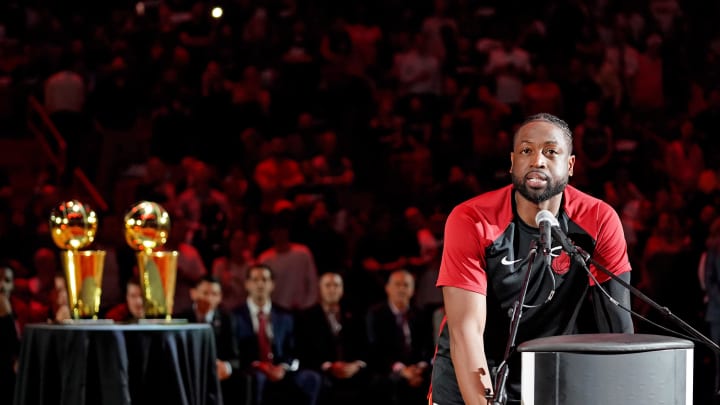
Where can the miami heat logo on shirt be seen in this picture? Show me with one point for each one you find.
(561, 263)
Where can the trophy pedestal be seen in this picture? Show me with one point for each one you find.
(87, 322)
(162, 321)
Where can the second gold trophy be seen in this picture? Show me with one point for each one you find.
(147, 228)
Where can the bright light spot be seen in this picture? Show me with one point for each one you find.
(216, 12)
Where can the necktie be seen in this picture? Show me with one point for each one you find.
(265, 350)
(335, 325)
(335, 328)
(404, 325)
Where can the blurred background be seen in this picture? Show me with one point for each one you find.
(356, 126)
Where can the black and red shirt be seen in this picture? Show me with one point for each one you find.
(486, 248)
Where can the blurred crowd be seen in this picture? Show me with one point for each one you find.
(333, 137)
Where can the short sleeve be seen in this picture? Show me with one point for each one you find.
(611, 247)
(463, 257)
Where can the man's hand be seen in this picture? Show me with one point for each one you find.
(223, 370)
(413, 375)
(274, 372)
(62, 313)
(342, 370)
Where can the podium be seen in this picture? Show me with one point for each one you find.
(600, 369)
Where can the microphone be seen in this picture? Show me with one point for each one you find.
(545, 221)
(549, 224)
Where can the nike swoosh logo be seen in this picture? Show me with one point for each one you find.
(555, 249)
(507, 262)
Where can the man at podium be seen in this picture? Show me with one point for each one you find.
(486, 255)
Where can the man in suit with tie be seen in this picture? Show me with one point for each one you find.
(206, 297)
(333, 342)
(400, 345)
(266, 339)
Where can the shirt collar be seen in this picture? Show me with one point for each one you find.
(254, 309)
(395, 310)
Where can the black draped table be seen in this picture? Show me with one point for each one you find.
(139, 364)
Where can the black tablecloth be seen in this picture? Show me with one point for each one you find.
(117, 365)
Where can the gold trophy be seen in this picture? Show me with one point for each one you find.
(73, 226)
(147, 227)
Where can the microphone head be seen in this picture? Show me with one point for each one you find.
(546, 216)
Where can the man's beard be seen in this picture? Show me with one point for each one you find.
(537, 196)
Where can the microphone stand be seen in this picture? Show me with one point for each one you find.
(577, 253)
(500, 396)
(583, 258)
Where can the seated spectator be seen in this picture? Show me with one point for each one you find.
(295, 282)
(330, 167)
(383, 249)
(156, 184)
(46, 292)
(277, 174)
(332, 341)
(133, 308)
(400, 348)
(206, 210)
(266, 340)
(9, 341)
(231, 269)
(206, 298)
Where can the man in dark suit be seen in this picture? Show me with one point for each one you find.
(266, 339)
(9, 341)
(333, 342)
(206, 297)
(400, 346)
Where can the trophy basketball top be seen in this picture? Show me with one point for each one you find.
(73, 225)
(147, 226)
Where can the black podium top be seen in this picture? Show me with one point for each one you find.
(604, 343)
(117, 365)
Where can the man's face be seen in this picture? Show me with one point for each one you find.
(207, 296)
(134, 300)
(331, 288)
(6, 281)
(259, 284)
(541, 161)
(400, 288)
